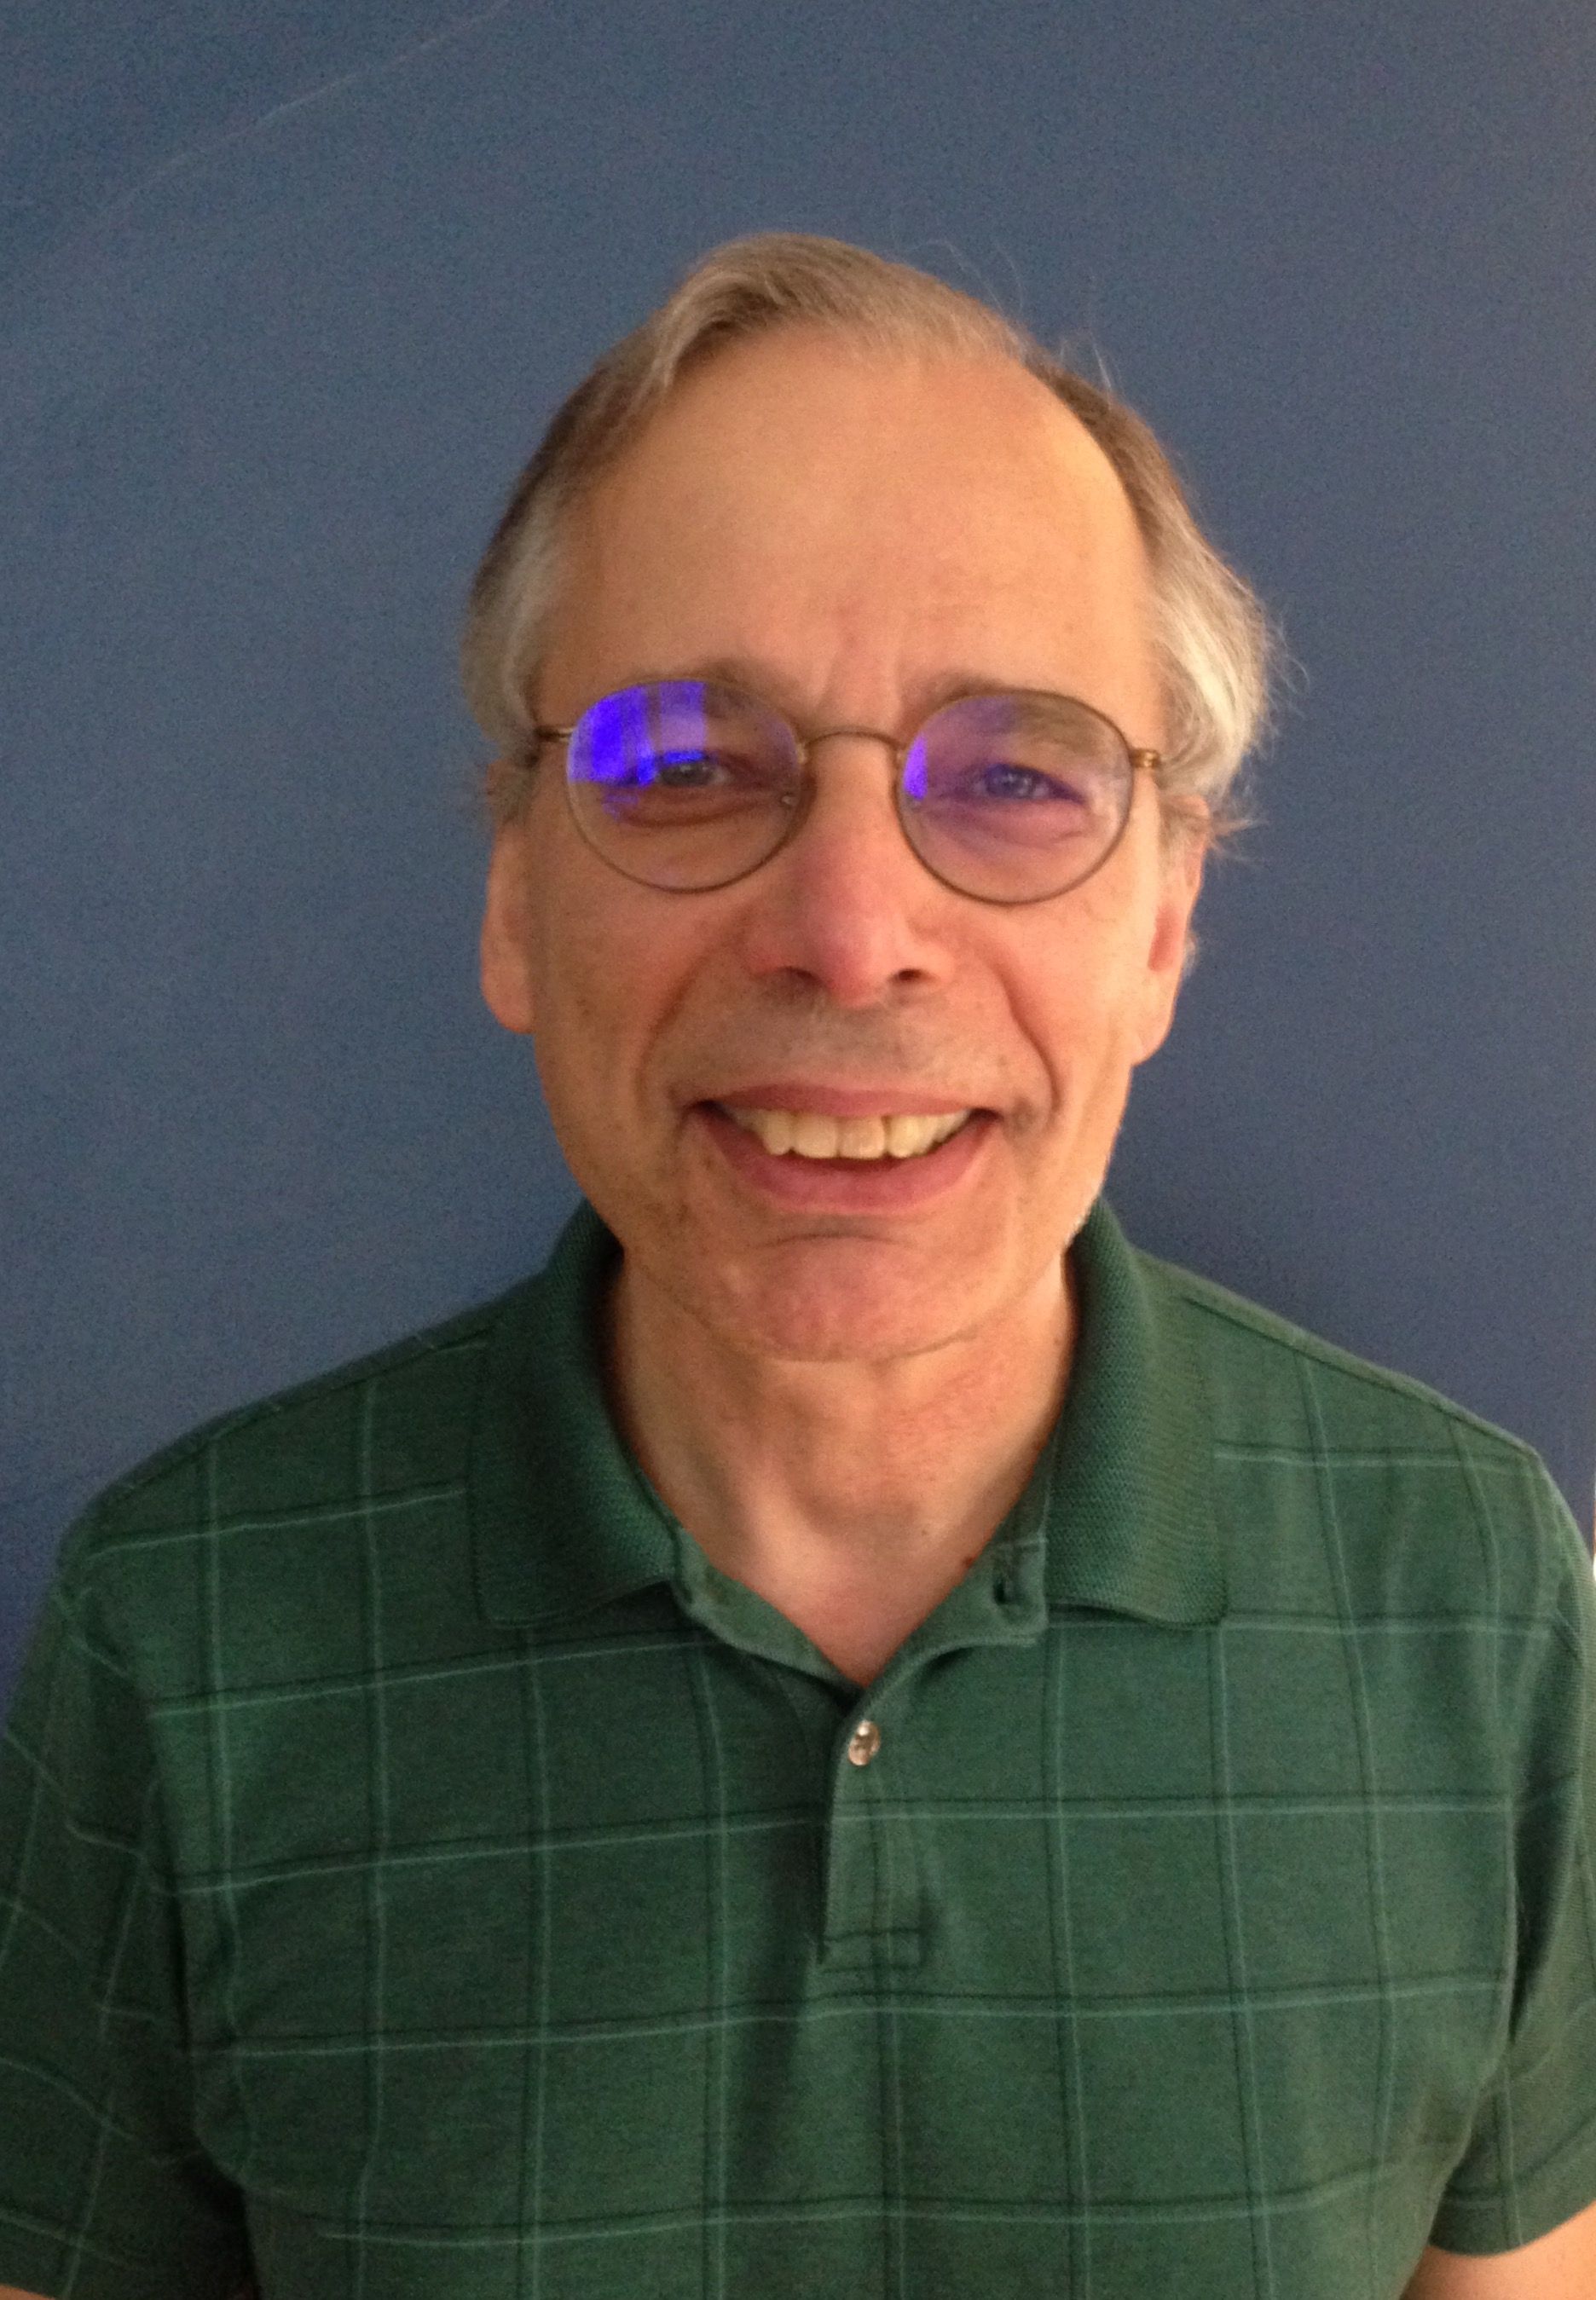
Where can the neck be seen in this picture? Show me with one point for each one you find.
(851, 1496)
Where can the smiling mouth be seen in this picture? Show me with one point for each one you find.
(811, 1134)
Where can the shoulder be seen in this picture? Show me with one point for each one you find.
(1256, 1364)
(1412, 1502)
(392, 1424)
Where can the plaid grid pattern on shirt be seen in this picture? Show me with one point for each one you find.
(422, 1872)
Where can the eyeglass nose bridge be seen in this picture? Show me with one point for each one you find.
(798, 802)
(806, 743)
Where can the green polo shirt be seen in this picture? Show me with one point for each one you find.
(423, 1874)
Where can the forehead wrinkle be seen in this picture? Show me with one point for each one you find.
(760, 677)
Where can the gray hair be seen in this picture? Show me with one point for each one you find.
(1214, 640)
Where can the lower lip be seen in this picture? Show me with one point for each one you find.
(846, 1186)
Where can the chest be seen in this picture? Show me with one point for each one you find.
(1135, 1948)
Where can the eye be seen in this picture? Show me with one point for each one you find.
(694, 769)
(665, 786)
(1024, 786)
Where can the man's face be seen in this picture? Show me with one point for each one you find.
(850, 534)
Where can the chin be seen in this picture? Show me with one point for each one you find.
(830, 1315)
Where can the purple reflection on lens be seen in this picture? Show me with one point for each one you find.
(615, 730)
(971, 733)
(628, 738)
(914, 783)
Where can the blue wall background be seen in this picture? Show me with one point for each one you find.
(289, 293)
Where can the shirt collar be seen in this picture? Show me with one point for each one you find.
(1121, 1496)
(1125, 1488)
(546, 1453)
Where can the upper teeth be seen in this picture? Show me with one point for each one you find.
(810, 1134)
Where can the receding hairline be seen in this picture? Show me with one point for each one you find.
(1057, 428)
(929, 349)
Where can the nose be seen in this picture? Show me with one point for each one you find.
(846, 904)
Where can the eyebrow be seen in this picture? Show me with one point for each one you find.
(772, 686)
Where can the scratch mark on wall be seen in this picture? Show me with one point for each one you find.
(459, 28)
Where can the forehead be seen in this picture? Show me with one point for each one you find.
(860, 520)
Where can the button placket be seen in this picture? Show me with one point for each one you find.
(872, 1896)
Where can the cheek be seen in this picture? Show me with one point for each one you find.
(1086, 1028)
(585, 1018)
(609, 965)
(1083, 1007)
(576, 949)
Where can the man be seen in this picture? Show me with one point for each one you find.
(856, 1736)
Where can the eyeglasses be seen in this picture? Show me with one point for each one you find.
(687, 784)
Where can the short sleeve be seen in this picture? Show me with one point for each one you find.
(103, 2193)
(1532, 2161)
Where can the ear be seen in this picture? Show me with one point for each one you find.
(1185, 846)
(507, 945)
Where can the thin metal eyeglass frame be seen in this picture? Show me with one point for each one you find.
(1140, 761)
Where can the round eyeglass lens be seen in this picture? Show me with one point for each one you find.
(682, 783)
(1015, 796)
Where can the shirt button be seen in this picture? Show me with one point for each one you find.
(864, 1741)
